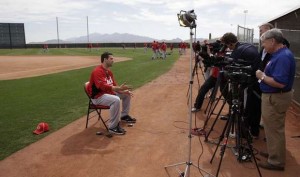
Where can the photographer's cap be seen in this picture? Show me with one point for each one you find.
(41, 128)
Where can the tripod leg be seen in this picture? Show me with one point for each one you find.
(239, 137)
(196, 71)
(187, 94)
(223, 134)
(223, 148)
(213, 94)
(217, 86)
(252, 154)
(198, 80)
(212, 127)
(248, 140)
(211, 101)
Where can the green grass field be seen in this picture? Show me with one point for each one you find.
(59, 99)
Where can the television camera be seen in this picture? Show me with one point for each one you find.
(236, 72)
(211, 53)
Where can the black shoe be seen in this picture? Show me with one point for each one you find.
(195, 109)
(224, 117)
(128, 119)
(117, 130)
(122, 129)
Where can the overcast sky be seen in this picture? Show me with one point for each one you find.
(152, 18)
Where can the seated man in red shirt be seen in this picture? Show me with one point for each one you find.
(105, 91)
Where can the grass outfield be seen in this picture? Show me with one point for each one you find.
(59, 99)
(129, 52)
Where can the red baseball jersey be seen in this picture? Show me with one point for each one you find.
(103, 80)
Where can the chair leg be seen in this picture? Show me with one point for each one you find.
(100, 117)
(87, 118)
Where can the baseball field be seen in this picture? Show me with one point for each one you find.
(37, 86)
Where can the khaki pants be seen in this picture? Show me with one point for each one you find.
(274, 108)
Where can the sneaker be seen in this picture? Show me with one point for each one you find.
(195, 110)
(122, 129)
(232, 135)
(128, 119)
(117, 130)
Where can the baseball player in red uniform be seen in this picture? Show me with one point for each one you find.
(154, 49)
(145, 47)
(181, 48)
(105, 91)
(45, 47)
(163, 49)
(171, 48)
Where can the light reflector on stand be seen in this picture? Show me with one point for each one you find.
(187, 18)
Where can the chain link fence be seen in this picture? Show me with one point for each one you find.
(245, 34)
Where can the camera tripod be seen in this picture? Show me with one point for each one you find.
(236, 122)
(195, 71)
(213, 102)
(213, 105)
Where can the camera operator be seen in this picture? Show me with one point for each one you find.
(197, 47)
(248, 54)
(210, 82)
(216, 46)
(207, 52)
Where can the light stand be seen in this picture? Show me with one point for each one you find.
(188, 20)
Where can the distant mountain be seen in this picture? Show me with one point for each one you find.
(176, 40)
(52, 41)
(120, 38)
(108, 38)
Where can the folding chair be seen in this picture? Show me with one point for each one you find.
(92, 107)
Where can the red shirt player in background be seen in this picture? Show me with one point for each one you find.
(163, 49)
(90, 46)
(154, 48)
(180, 48)
(145, 47)
(45, 47)
(171, 48)
(184, 46)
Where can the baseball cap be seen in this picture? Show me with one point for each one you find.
(41, 128)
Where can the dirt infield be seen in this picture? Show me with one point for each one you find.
(14, 67)
(159, 138)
